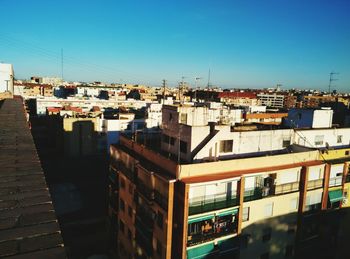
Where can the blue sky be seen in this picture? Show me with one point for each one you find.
(245, 43)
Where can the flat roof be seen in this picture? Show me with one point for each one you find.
(28, 223)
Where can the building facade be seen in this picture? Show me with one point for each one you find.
(167, 203)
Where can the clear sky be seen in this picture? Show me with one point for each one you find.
(245, 43)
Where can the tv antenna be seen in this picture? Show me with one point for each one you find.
(331, 79)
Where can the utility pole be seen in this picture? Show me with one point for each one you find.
(164, 85)
(331, 79)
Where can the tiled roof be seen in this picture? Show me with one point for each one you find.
(28, 224)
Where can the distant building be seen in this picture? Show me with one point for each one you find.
(239, 98)
(271, 100)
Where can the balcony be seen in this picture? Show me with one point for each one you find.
(204, 231)
(253, 194)
(144, 236)
(147, 192)
(286, 188)
(314, 184)
(146, 218)
(210, 203)
(161, 200)
(335, 181)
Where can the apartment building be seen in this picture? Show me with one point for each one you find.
(212, 192)
(271, 99)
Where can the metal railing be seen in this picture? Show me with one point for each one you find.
(212, 202)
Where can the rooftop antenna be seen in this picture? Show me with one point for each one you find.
(181, 85)
(62, 63)
(195, 88)
(208, 85)
(164, 85)
(331, 79)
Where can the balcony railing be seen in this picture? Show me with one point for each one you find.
(287, 187)
(253, 194)
(199, 238)
(335, 181)
(314, 184)
(212, 202)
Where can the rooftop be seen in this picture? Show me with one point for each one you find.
(28, 224)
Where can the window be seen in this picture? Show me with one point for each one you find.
(289, 250)
(170, 116)
(339, 138)
(319, 140)
(226, 146)
(268, 210)
(347, 152)
(293, 204)
(286, 143)
(122, 205)
(122, 183)
(183, 146)
(130, 211)
(160, 220)
(172, 141)
(245, 214)
(121, 226)
(266, 234)
(264, 256)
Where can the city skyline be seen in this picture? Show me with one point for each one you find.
(250, 44)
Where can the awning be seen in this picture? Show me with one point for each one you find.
(198, 219)
(228, 212)
(336, 195)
